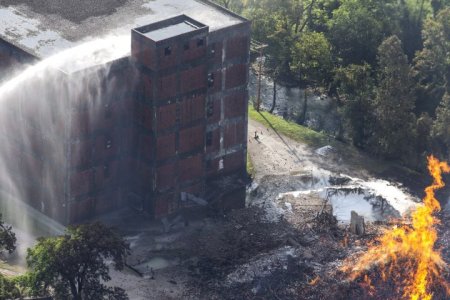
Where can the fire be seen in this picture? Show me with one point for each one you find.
(406, 255)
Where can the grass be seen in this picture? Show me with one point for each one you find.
(250, 169)
(290, 129)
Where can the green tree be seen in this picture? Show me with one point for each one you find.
(233, 5)
(355, 33)
(394, 103)
(8, 288)
(356, 94)
(7, 237)
(441, 128)
(424, 127)
(74, 264)
(311, 58)
(279, 24)
(431, 63)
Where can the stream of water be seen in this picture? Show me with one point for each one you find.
(34, 107)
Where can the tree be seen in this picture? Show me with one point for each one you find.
(355, 33)
(311, 58)
(440, 131)
(394, 103)
(7, 237)
(74, 264)
(424, 126)
(431, 63)
(233, 5)
(279, 23)
(356, 94)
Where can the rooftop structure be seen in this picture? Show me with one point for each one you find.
(43, 28)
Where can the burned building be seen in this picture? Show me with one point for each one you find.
(161, 128)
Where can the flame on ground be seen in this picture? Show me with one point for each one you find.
(406, 255)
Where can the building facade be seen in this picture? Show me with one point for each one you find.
(169, 130)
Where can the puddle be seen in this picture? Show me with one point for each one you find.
(376, 200)
(156, 263)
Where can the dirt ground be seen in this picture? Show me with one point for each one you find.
(279, 247)
(286, 243)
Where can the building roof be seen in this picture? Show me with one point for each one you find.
(45, 27)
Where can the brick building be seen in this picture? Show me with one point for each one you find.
(170, 125)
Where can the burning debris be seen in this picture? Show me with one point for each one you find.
(404, 259)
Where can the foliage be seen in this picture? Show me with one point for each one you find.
(234, 5)
(386, 106)
(441, 127)
(7, 237)
(355, 33)
(8, 288)
(290, 129)
(356, 91)
(250, 167)
(394, 103)
(74, 264)
(311, 58)
(431, 63)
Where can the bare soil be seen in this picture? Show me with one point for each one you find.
(272, 249)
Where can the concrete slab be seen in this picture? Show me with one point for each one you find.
(45, 27)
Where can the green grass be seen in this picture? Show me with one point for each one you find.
(250, 169)
(290, 129)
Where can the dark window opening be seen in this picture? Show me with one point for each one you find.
(108, 143)
(209, 139)
(210, 108)
(167, 51)
(200, 42)
(210, 79)
(186, 46)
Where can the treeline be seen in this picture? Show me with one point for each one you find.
(387, 64)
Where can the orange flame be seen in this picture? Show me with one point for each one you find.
(314, 281)
(410, 249)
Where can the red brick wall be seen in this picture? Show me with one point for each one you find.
(167, 61)
(166, 116)
(235, 105)
(236, 76)
(192, 139)
(81, 182)
(192, 109)
(165, 146)
(191, 168)
(145, 147)
(166, 176)
(234, 134)
(194, 52)
(214, 136)
(234, 162)
(167, 87)
(213, 110)
(193, 79)
(237, 47)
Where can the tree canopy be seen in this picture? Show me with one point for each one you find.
(7, 237)
(385, 63)
(74, 265)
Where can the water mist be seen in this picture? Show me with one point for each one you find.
(40, 127)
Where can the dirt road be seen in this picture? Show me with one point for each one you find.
(274, 154)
